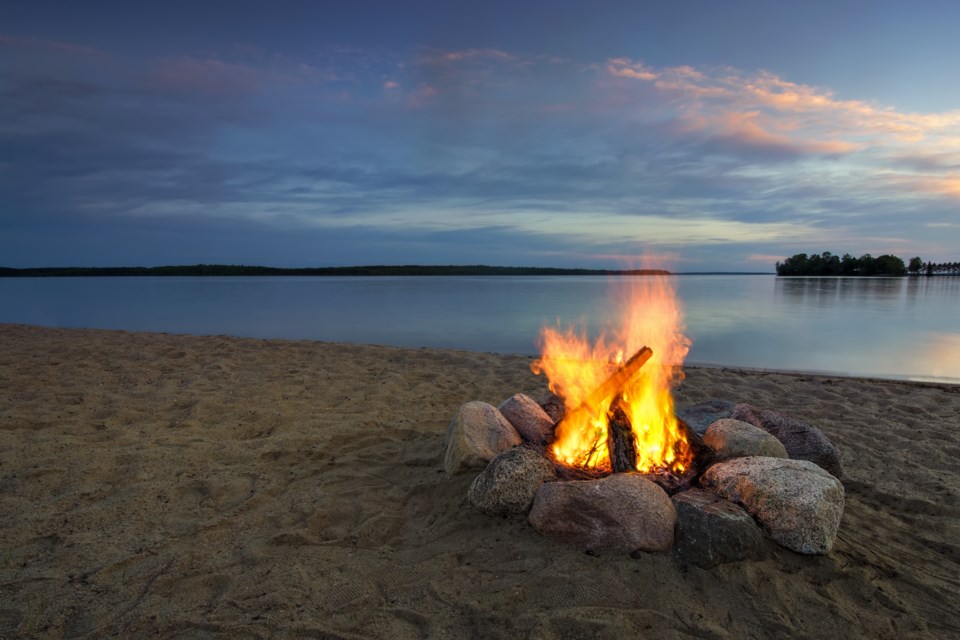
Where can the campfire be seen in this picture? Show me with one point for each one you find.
(606, 462)
(619, 413)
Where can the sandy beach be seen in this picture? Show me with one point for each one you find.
(154, 485)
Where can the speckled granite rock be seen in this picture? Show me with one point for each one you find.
(477, 433)
(796, 502)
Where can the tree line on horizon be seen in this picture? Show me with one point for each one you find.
(828, 264)
(372, 270)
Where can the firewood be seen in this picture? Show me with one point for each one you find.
(620, 441)
(611, 385)
(703, 455)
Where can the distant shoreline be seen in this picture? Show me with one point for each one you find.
(373, 270)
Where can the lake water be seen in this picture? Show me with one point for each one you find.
(886, 327)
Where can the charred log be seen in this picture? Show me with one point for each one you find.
(669, 481)
(553, 407)
(701, 459)
(703, 455)
(620, 442)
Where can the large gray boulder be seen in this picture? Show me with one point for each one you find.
(477, 433)
(510, 482)
(802, 441)
(528, 418)
(701, 415)
(623, 512)
(797, 503)
(712, 531)
(729, 438)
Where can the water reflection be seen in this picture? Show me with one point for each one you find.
(806, 293)
(887, 326)
(940, 354)
(901, 327)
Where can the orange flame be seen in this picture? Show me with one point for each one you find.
(650, 315)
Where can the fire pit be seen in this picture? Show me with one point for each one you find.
(606, 464)
(599, 436)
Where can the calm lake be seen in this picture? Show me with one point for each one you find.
(885, 327)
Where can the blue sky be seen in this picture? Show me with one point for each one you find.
(725, 135)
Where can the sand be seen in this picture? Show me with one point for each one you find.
(154, 485)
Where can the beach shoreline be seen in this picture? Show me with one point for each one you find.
(201, 486)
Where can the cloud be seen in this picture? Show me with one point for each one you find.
(743, 132)
(625, 68)
(937, 185)
(254, 72)
(39, 44)
(516, 157)
(799, 112)
(930, 161)
(422, 95)
(444, 57)
(195, 75)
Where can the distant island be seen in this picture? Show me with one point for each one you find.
(828, 264)
(374, 270)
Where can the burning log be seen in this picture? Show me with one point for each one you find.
(620, 441)
(701, 459)
(611, 385)
(619, 378)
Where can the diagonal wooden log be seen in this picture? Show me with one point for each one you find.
(618, 378)
(612, 385)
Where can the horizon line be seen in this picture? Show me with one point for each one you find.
(360, 270)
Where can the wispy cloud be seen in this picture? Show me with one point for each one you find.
(444, 57)
(794, 110)
(204, 76)
(530, 152)
(626, 68)
(40, 44)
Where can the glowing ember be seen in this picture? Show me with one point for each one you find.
(650, 315)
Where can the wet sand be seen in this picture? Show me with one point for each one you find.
(154, 485)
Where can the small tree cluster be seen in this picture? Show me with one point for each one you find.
(828, 264)
(938, 269)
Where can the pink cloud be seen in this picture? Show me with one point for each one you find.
(626, 68)
(219, 77)
(423, 95)
(204, 75)
(948, 185)
(38, 44)
(762, 110)
(763, 90)
(755, 130)
(935, 185)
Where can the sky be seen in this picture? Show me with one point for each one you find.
(721, 135)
